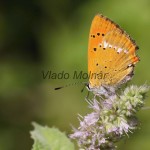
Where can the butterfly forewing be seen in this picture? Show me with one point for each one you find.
(111, 53)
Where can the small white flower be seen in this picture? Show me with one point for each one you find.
(123, 126)
(76, 134)
(91, 118)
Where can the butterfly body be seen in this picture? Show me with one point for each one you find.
(111, 55)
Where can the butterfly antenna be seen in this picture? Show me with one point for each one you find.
(83, 88)
(77, 83)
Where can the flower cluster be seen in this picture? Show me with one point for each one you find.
(110, 120)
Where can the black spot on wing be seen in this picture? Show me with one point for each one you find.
(98, 34)
(94, 49)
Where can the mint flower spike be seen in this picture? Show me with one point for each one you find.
(111, 119)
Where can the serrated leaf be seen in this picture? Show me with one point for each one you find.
(46, 138)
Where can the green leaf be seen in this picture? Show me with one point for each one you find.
(46, 138)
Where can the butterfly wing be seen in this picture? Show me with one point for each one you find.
(111, 53)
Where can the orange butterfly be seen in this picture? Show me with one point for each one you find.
(111, 55)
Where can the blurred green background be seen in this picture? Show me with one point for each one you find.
(38, 35)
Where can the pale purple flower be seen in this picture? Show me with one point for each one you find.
(91, 119)
(112, 118)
